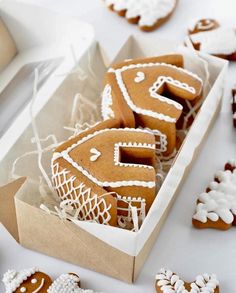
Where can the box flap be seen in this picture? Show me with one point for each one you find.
(7, 206)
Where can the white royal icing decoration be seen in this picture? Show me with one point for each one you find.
(135, 108)
(139, 77)
(161, 139)
(90, 206)
(13, 279)
(40, 286)
(220, 202)
(130, 145)
(161, 80)
(207, 26)
(67, 283)
(95, 154)
(65, 155)
(218, 41)
(149, 12)
(171, 283)
(107, 111)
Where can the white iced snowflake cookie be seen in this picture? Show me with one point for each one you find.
(149, 15)
(216, 208)
(169, 282)
(208, 37)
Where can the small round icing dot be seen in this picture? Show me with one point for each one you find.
(33, 281)
(22, 289)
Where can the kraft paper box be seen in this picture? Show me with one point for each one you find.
(109, 250)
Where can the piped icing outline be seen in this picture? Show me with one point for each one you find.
(117, 147)
(202, 27)
(123, 89)
(106, 103)
(220, 201)
(83, 196)
(171, 283)
(149, 13)
(65, 155)
(161, 80)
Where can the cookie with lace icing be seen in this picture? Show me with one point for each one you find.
(106, 159)
(169, 282)
(149, 15)
(26, 281)
(234, 106)
(209, 37)
(216, 208)
(151, 93)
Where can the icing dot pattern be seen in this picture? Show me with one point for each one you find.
(220, 201)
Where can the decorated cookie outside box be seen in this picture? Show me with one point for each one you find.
(73, 109)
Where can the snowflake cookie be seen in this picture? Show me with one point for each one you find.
(149, 15)
(216, 208)
(169, 282)
(209, 37)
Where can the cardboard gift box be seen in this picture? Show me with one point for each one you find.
(109, 250)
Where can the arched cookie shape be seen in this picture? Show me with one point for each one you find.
(27, 280)
(216, 208)
(207, 36)
(169, 282)
(108, 160)
(143, 93)
(149, 15)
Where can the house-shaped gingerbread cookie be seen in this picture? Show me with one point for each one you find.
(113, 164)
(150, 93)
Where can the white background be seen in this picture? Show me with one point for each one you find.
(180, 247)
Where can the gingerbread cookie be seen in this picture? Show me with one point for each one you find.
(150, 93)
(234, 106)
(28, 280)
(216, 208)
(106, 159)
(169, 282)
(149, 15)
(67, 283)
(207, 36)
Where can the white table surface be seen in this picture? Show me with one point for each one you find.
(180, 247)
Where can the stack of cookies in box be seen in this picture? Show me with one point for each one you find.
(108, 173)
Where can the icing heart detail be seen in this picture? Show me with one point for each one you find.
(139, 77)
(95, 154)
